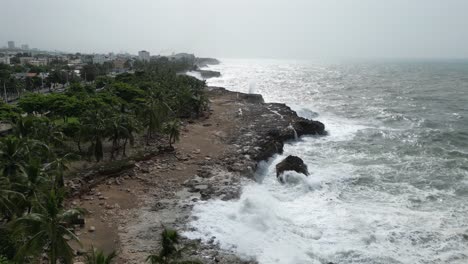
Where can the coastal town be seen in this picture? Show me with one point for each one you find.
(32, 69)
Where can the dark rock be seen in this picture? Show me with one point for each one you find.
(202, 62)
(209, 74)
(252, 98)
(78, 221)
(309, 127)
(291, 163)
(268, 149)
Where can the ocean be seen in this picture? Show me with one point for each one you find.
(388, 184)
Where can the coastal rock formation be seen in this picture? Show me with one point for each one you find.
(262, 128)
(291, 163)
(209, 74)
(203, 62)
(309, 127)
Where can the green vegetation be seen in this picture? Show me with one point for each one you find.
(170, 252)
(98, 257)
(95, 122)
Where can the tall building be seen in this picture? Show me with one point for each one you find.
(25, 47)
(144, 55)
(11, 44)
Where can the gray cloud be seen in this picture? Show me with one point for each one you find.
(243, 28)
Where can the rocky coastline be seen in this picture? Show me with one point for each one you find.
(212, 161)
(259, 132)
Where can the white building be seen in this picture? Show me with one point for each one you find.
(39, 62)
(25, 47)
(34, 61)
(5, 60)
(144, 55)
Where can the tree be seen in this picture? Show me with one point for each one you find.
(8, 112)
(13, 155)
(103, 81)
(121, 128)
(36, 178)
(127, 92)
(74, 130)
(98, 257)
(154, 113)
(95, 129)
(46, 229)
(170, 252)
(58, 167)
(89, 72)
(172, 129)
(8, 197)
(33, 102)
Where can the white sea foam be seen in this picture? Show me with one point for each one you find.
(371, 196)
(195, 74)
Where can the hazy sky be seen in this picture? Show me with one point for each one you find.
(243, 28)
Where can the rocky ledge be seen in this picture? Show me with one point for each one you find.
(261, 130)
(206, 74)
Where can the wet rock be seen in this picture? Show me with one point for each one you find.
(201, 187)
(309, 127)
(209, 74)
(291, 163)
(252, 98)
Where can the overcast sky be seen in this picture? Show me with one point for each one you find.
(289, 29)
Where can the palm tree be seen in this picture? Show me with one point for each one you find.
(154, 112)
(172, 128)
(98, 257)
(95, 129)
(35, 179)
(12, 155)
(58, 166)
(7, 198)
(117, 131)
(24, 126)
(131, 126)
(46, 229)
(169, 252)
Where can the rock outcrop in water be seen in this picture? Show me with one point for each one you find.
(209, 74)
(291, 163)
(262, 129)
(202, 62)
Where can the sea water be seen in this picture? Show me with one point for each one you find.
(388, 184)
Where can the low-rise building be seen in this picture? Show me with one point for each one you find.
(34, 61)
(5, 60)
(40, 62)
(119, 63)
(99, 59)
(26, 60)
